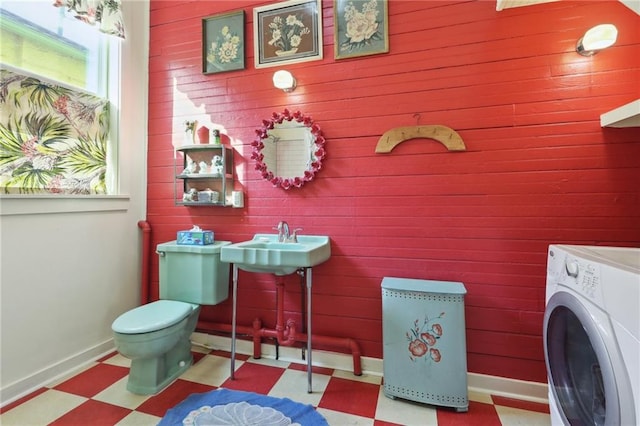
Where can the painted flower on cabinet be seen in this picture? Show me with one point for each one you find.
(362, 26)
(286, 34)
(52, 139)
(423, 337)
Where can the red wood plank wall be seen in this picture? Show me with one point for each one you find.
(538, 168)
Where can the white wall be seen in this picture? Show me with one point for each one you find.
(69, 266)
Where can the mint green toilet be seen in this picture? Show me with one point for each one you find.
(156, 336)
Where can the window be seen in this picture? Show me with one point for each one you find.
(54, 102)
(51, 43)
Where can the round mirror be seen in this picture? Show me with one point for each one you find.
(288, 149)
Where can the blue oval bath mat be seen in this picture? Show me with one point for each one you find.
(223, 407)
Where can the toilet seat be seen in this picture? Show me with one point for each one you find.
(152, 317)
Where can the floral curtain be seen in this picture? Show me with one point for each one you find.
(52, 139)
(106, 13)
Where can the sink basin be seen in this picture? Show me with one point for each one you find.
(265, 254)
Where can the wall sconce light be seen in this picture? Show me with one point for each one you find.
(284, 80)
(597, 38)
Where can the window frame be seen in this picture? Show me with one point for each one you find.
(129, 98)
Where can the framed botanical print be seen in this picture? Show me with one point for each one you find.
(287, 32)
(360, 27)
(223, 42)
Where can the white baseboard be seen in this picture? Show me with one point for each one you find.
(511, 388)
(23, 387)
(494, 385)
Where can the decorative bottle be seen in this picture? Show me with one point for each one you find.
(216, 137)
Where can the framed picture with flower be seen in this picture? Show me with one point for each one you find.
(361, 27)
(287, 32)
(223, 42)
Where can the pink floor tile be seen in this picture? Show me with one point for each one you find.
(350, 397)
(171, 396)
(253, 377)
(94, 380)
(93, 413)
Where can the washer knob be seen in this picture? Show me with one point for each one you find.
(572, 268)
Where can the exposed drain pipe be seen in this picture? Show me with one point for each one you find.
(337, 342)
(145, 287)
(286, 336)
(257, 333)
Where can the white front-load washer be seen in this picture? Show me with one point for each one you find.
(592, 335)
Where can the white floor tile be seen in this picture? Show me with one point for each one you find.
(117, 394)
(200, 349)
(139, 419)
(211, 370)
(365, 378)
(293, 385)
(516, 417)
(344, 419)
(269, 362)
(404, 412)
(118, 360)
(42, 410)
(484, 398)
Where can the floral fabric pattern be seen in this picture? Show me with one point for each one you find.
(52, 139)
(106, 13)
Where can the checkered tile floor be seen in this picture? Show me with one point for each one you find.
(97, 396)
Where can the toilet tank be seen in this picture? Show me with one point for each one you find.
(193, 274)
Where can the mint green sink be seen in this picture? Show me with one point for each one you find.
(265, 254)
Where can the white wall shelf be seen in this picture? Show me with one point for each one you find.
(625, 116)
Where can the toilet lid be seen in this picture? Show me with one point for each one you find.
(152, 317)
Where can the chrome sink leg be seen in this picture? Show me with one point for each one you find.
(309, 363)
(233, 322)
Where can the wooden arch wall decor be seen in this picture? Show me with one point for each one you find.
(443, 134)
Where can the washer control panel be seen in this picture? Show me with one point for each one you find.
(579, 274)
(587, 276)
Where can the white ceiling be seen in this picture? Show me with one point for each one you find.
(506, 4)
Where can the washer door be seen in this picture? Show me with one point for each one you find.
(579, 368)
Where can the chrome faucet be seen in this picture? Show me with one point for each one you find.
(283, 232)
(284, 235)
